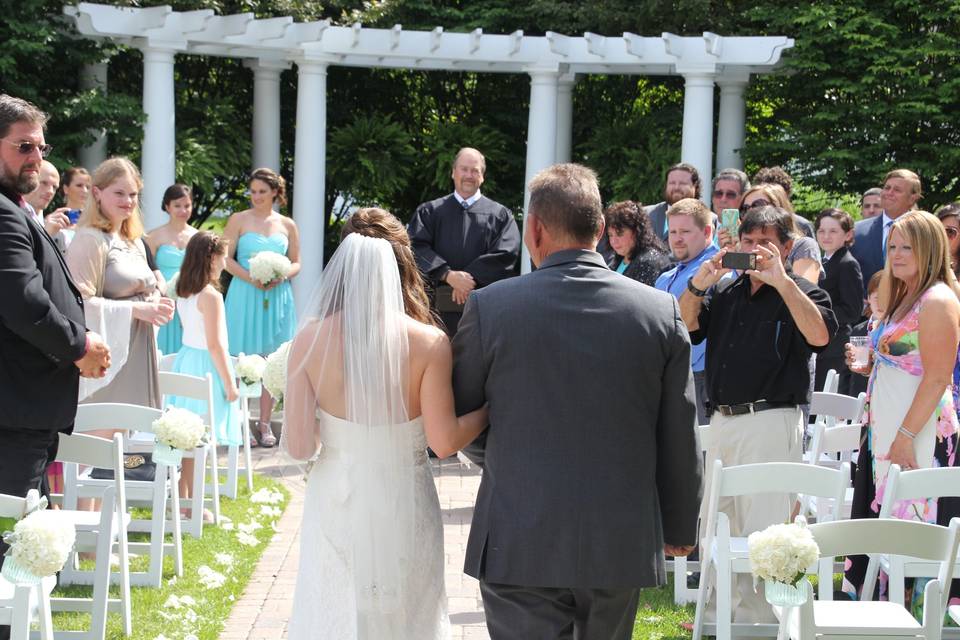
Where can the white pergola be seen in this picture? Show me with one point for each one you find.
(268, 46)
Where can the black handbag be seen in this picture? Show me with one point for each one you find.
(136, 466)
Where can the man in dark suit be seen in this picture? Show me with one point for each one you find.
(682, 181)
(44, 346)
(463, 241)
(592, 467)
(901, 190)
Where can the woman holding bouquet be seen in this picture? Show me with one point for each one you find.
(260, 313)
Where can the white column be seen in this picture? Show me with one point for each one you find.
(158, 163)
(731, 128)
(309, 174)
(565, 116)
(94, 76)
(266, 112)
(541, 136)
(697, 145)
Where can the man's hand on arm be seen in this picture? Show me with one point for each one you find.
(462, 283)
(96, 359)
(678, 550)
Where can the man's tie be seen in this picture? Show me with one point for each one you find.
(884, 237)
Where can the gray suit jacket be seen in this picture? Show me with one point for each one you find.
(658, 219)
(592, 460)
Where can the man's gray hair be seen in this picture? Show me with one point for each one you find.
(566, 198)
(733, 174)
(13, 110)
(875, 191)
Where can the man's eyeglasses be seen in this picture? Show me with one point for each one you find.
(729, 195)
(760, 202)
(952, 232)
(26, 148)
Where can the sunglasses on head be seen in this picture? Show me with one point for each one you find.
(729, 195)
(753, 205)
(26, 148)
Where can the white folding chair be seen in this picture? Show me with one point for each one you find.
(680, 565)
(197, 388)
(727, 555)
(909, 485)
(229, 487)
(166, 361)
(21, 603)
(831, 381)
(888, 620)
(156, 495)
(102, 532)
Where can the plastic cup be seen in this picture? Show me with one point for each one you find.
(861, 351)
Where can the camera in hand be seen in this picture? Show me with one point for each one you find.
(739, 261)
(73, 215)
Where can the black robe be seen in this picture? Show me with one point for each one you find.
(482, 240)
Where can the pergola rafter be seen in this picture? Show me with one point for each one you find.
(270, 45)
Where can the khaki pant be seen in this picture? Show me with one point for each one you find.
(768, 436)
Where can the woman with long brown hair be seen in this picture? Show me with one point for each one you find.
(369, 378)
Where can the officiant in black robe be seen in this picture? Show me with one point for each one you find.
(463, 241)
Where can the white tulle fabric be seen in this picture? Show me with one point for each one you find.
(371, 559)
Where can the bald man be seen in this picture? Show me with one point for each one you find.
(39, 198)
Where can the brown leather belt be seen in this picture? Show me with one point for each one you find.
(751, 407)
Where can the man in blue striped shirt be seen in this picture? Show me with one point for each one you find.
(691, 230)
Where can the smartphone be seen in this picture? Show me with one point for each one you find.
(739, 261)
(73, 215)
(730, 220)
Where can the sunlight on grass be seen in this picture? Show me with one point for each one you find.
(205, 611)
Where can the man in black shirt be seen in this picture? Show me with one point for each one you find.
(463, 241)
(760, 328)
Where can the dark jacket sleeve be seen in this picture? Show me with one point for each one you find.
(848, 307)
(500, 259)
(421, 231)
(29, 312)
(679, 464)
(470, 370)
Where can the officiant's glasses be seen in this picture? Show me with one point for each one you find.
(26, 148)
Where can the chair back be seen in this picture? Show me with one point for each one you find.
(892, 536)
(831, 382)
(115, 415)
(90, 451)
(194, 388)
(15, 506)
(836, 407)
(780, 477)
(919, 484)
(166, 362)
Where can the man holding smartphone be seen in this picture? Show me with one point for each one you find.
(760, 329)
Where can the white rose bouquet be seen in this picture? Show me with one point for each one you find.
(177, 430)
(275, 373)
(250, 368)
(267, 266)
(39, 545)
(782, 552)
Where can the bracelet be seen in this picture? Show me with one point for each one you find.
(910, 434)
(693, 289)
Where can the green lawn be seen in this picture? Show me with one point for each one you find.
(658, 618)
(220, 549)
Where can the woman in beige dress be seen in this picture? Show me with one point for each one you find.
(109, 264)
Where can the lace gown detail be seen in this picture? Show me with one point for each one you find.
(325, 603)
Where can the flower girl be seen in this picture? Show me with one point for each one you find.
(204, 349)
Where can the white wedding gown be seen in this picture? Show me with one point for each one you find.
(325, 602)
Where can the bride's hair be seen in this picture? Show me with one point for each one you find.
(380, 223)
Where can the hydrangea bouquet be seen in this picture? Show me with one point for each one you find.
(39, 545)
(177, 430)
(780, 555)
(267, 266)
(275, 373)
(250, 369)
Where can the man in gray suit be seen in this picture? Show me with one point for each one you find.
(592, 467)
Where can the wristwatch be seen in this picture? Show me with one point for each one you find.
(692, 289)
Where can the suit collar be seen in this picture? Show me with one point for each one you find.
(585, 256)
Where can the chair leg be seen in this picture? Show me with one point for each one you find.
(195, 521)
(247, 459)
(233, 472)
(703, 594)
(175, 518)
(101, 582)
(895, 580)
(20, 619)
(43, 613)
(724, 592)
(679, 580)
(124, 553)
(215, 489)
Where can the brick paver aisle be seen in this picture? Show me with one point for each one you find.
(264, 609)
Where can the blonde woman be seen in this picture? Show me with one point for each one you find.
(910, 408)
(108, 261)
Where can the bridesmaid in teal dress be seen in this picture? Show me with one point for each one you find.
(168, 243)
(261, 317)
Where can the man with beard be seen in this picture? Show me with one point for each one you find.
(682, 181)
(44, 345)
(463, 241)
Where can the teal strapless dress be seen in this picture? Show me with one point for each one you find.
(170, 335)
(252, 327)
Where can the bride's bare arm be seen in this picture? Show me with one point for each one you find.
(300, 427)
(446, 433)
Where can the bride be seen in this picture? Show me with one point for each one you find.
(368, 388)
